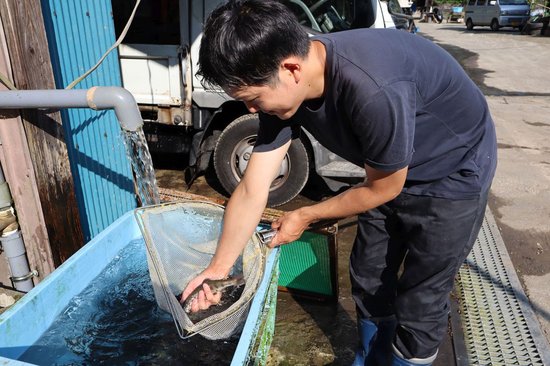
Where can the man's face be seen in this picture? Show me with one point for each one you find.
(280, 99)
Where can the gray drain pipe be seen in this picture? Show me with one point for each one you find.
(5, 195)
(21, 275)
(12, 244)
(97, 98)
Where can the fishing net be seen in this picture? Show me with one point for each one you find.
(181, 238)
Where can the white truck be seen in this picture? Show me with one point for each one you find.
(159, 59)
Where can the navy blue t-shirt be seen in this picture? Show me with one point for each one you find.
(393, 99)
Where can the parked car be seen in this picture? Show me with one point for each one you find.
(496, 13)
(456, 14)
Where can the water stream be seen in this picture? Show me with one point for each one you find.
(142, 164)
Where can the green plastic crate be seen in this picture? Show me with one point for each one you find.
(308, 266)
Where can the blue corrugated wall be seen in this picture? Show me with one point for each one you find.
(79, 32)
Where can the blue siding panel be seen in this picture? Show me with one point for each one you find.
(79, 33)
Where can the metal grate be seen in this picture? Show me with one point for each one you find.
(499, 325)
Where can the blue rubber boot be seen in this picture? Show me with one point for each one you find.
(367, 332)
(381, 353)
(399, 360)
(376, 341)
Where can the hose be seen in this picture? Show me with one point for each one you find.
(10, 85)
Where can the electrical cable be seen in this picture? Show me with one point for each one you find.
(10, 85)
(7, 82)
(115, 45)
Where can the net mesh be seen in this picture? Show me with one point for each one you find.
(181, 238)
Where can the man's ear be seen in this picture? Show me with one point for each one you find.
(294, 67)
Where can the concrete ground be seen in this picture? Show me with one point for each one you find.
(513, 72)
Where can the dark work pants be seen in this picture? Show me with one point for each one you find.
(430, 238)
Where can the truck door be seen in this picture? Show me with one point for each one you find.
(151, 58)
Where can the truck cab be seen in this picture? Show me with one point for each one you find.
(158, 60)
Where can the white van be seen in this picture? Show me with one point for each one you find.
(496, 13)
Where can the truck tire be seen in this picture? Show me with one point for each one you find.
(469, 24)
(494, 25)
(232, 153)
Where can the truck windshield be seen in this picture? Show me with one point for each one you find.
(329, 16)
(154, 23)
(513, 2)
(158, 22)
(322, 15)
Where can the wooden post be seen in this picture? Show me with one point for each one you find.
(19, 173)
(32, 69)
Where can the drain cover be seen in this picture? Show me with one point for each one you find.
(498, 322)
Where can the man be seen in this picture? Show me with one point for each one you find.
(391, 102)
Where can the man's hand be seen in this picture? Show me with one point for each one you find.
(290, 227)
(206, 297)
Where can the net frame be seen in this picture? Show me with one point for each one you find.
(151, 221)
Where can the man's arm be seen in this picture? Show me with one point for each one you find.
(379, 188)
(242, 215)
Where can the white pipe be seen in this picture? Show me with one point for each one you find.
(12, 243)
(19, 267)
(98, 98)
(15, 99)
(119, 99)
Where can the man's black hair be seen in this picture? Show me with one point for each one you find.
(244, 42)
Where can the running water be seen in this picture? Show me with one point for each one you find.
(142, 164)
(116, 321)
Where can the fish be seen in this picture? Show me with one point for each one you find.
(215, 286)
